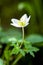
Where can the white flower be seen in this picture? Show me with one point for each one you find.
(24, 21)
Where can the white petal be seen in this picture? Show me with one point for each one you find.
(15, 25)
(26, 24)
(15, 22)
(28, 19)
(23, 18)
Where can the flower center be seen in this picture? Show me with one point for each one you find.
(21, 23)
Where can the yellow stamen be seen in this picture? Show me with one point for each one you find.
(21, 23)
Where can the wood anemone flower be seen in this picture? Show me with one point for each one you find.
(23, 22)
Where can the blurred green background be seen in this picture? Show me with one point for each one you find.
(15, 9)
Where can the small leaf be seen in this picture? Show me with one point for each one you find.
(15, 51)
(35, 49)
(30, 49)
(22, 52)
(27, 45)
(31, 53)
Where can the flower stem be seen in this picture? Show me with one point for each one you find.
(19, 56)
(22, 37)
(17, 59)
(23, 33)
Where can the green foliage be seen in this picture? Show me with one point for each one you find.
(27, 48)
(1, 62)
(11, 35)
(15, 50)
(30, 49)
(34, 38)
(22, 52)
(13, 40)
(7, 54)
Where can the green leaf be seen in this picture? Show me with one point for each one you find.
(31, 53)
(11, 35)
(1, 62)
(31, 48)
(16, 49)
(8, 39)
(7, 54)
(14, 32)
(28, 48)
(35, 38)
(35, 49)
(22, 52)
(27, 44)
